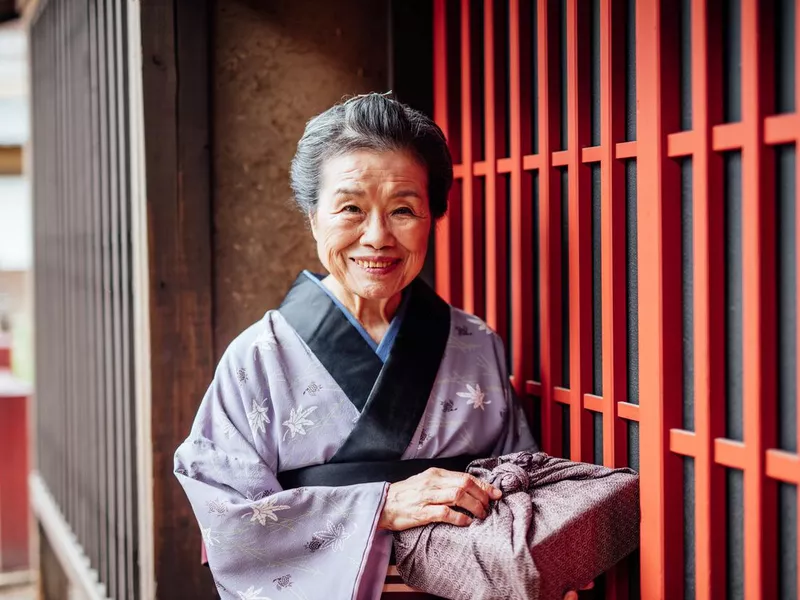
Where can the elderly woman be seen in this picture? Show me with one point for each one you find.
(360, 378)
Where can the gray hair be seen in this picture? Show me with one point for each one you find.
(371, 122)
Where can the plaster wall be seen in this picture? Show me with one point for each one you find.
(275, 65)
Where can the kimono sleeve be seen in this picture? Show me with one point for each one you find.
(259, 538)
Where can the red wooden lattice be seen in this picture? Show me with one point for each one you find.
(480, 98)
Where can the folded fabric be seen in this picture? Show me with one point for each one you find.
(557, 527)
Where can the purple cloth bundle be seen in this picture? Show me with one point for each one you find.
(557, 527)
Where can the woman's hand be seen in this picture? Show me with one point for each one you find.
(427, 498)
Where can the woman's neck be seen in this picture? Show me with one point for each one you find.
(374, 315)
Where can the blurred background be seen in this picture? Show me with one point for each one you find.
(16, 300)
(624, 215)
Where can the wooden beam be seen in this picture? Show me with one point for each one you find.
(176, 122)
(660, 356)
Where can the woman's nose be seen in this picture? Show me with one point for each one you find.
(377, 233)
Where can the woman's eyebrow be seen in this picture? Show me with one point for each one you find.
(406, 194)
(345, 191)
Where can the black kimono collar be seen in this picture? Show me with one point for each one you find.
(391, 397)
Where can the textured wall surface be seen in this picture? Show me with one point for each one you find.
(275, 65)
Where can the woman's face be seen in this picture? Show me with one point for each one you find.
(372, 221)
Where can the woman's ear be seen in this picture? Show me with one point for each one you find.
(313, 223)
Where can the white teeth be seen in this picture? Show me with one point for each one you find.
(370, 264)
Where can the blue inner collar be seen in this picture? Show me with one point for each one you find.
(385, 347)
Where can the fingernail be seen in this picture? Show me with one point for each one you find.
(496, 493)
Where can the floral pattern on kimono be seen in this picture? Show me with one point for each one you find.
(272, 407)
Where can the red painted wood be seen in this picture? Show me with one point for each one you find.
(683, 442)
(709, 297)
(580, 230)
(448, 232)
(626, 150)
(494, 119)
(521, 266)
(797, 225)
(730, 453)
(628, 411)
(613, 253)
(613, 215)
(728, 136)
(550, 342)
(663, 441)
(784, 466)
(592, 154)
(471, 191)
(440, 114)
(681, 143)
(758, 250)
(659, 258)
(782, 129)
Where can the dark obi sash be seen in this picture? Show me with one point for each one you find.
(391, 397)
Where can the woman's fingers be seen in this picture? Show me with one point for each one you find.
(438, 513)
(588, 586)
(427, 497)
(480, 490)
(457, 496)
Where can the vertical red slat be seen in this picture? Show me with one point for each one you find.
(758, 271)
(613, 240)
(470, 220)
(612, 120)
(709, 297)
(440, 104)
(494, 117)
(521, 272)
(580, 228)
(659, 259)
(797, 217)
(550, 223)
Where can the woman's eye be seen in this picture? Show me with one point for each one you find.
(352, 209)
(403, 211)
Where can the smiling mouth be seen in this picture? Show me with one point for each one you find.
(376, 264)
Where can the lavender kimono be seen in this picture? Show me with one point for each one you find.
(302, 387)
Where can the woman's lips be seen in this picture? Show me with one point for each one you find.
(377, 266)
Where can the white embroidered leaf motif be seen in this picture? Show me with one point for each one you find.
(228, 430)
(209, 537)
(475, 396)
(252, 594)
(253, 496)
(333, 537)
(298, 421)
(217, 506)
(257, 416)
(266, 509)
(481, 325)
